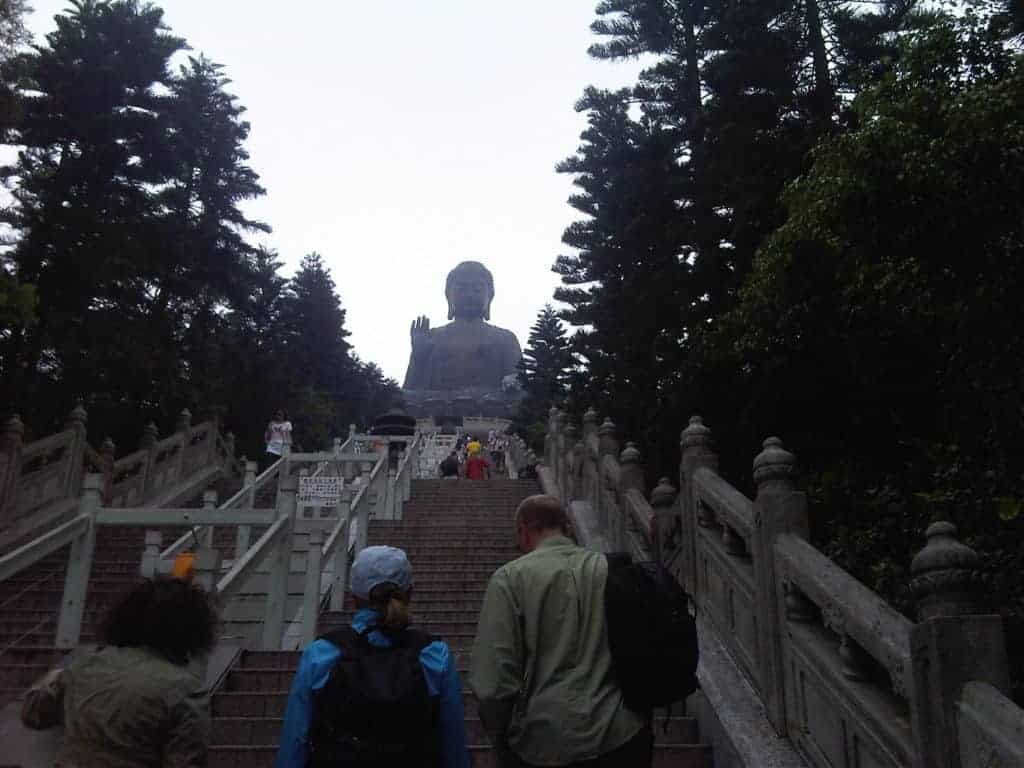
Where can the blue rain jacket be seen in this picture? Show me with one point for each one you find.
(315, 666)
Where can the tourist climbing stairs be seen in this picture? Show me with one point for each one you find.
(456, 534)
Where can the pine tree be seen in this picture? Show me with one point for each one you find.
(86, 214)
(547, 361)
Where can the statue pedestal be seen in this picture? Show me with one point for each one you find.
(464, 407)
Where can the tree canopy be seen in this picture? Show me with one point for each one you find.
(805, 219)
(130, 279)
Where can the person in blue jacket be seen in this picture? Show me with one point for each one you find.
(378, 570)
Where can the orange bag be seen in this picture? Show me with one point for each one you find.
(184, 566)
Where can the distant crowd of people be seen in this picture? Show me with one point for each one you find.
(380, 692)
(474, 460)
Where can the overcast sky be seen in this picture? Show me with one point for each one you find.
(400, 138)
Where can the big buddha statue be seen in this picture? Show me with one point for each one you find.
(468, 354)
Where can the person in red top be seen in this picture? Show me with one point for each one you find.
(478, 468)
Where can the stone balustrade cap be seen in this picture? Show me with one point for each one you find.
(774, 463)
(696, 433)
(607, 427)
(946, 579)
(590, 417)
(108, 446)
(630, 454)
(14, 425)
(151, 428)
(943, 551)
(664, 493)
(78, 413)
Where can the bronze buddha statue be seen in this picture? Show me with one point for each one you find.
(468, 353)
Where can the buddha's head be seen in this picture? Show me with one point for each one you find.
(469, 290)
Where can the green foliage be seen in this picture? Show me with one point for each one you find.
(806, 219)
(129, 280)
(544, 371)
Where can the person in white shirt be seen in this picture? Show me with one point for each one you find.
(278, 434)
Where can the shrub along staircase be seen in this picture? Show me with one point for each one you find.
(456, 534)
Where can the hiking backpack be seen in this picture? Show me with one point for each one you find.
(375, 711)
(651, 635)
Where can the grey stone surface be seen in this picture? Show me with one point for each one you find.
(730, 715)
(991, 728)
(468, 364)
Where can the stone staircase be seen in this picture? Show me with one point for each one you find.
(456, 534)
(30, 600)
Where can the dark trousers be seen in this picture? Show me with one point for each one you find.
(638, 752)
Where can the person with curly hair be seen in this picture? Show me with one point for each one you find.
(136, 701)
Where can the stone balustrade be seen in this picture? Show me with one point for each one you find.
(254, 588)
(842, 675)
(40, 481)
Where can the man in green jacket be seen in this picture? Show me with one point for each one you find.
(541, 668)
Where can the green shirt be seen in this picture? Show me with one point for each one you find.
(125, 708)
(541, 668)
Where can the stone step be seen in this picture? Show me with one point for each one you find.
(266, 731)
(481, 756)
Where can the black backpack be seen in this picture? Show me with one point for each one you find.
(651, 635)
(374, 709)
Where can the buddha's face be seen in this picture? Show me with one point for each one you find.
(469, 295)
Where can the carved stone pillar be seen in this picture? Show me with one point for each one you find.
(778, 509)
(107, 452)
(952, 645)
(11, 437)
(664, 526)
(697, 447)
(77, 420)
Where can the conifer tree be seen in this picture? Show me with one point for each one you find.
(547, 361)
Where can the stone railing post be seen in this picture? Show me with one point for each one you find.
(697, 449)
(311, 591)
(244, 532)
(558, 451)
(76, 421)
(631, 476)
(663, 527)
(150, 437)
(549, 438)
(229, 449)
(280, 568)
(206, 568)
(951, 645)
(209, 505)
(11, 442)
(76, 578)
(607, 445)
(778, 509)
(578, 457)
(107, 453)
(590, 427)
(340, 581)
(183, 427)
(151, 554)
(568, 469)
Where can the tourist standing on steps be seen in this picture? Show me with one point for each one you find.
(477, 467)
(378, 692)
(137, 701)
(277, 435)
(541, 668)
(449, 468)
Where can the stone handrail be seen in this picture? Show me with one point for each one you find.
(836, 669)
(40, 481)
(37, 549)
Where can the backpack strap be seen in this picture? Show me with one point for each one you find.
(348, 641)
(352, 643)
